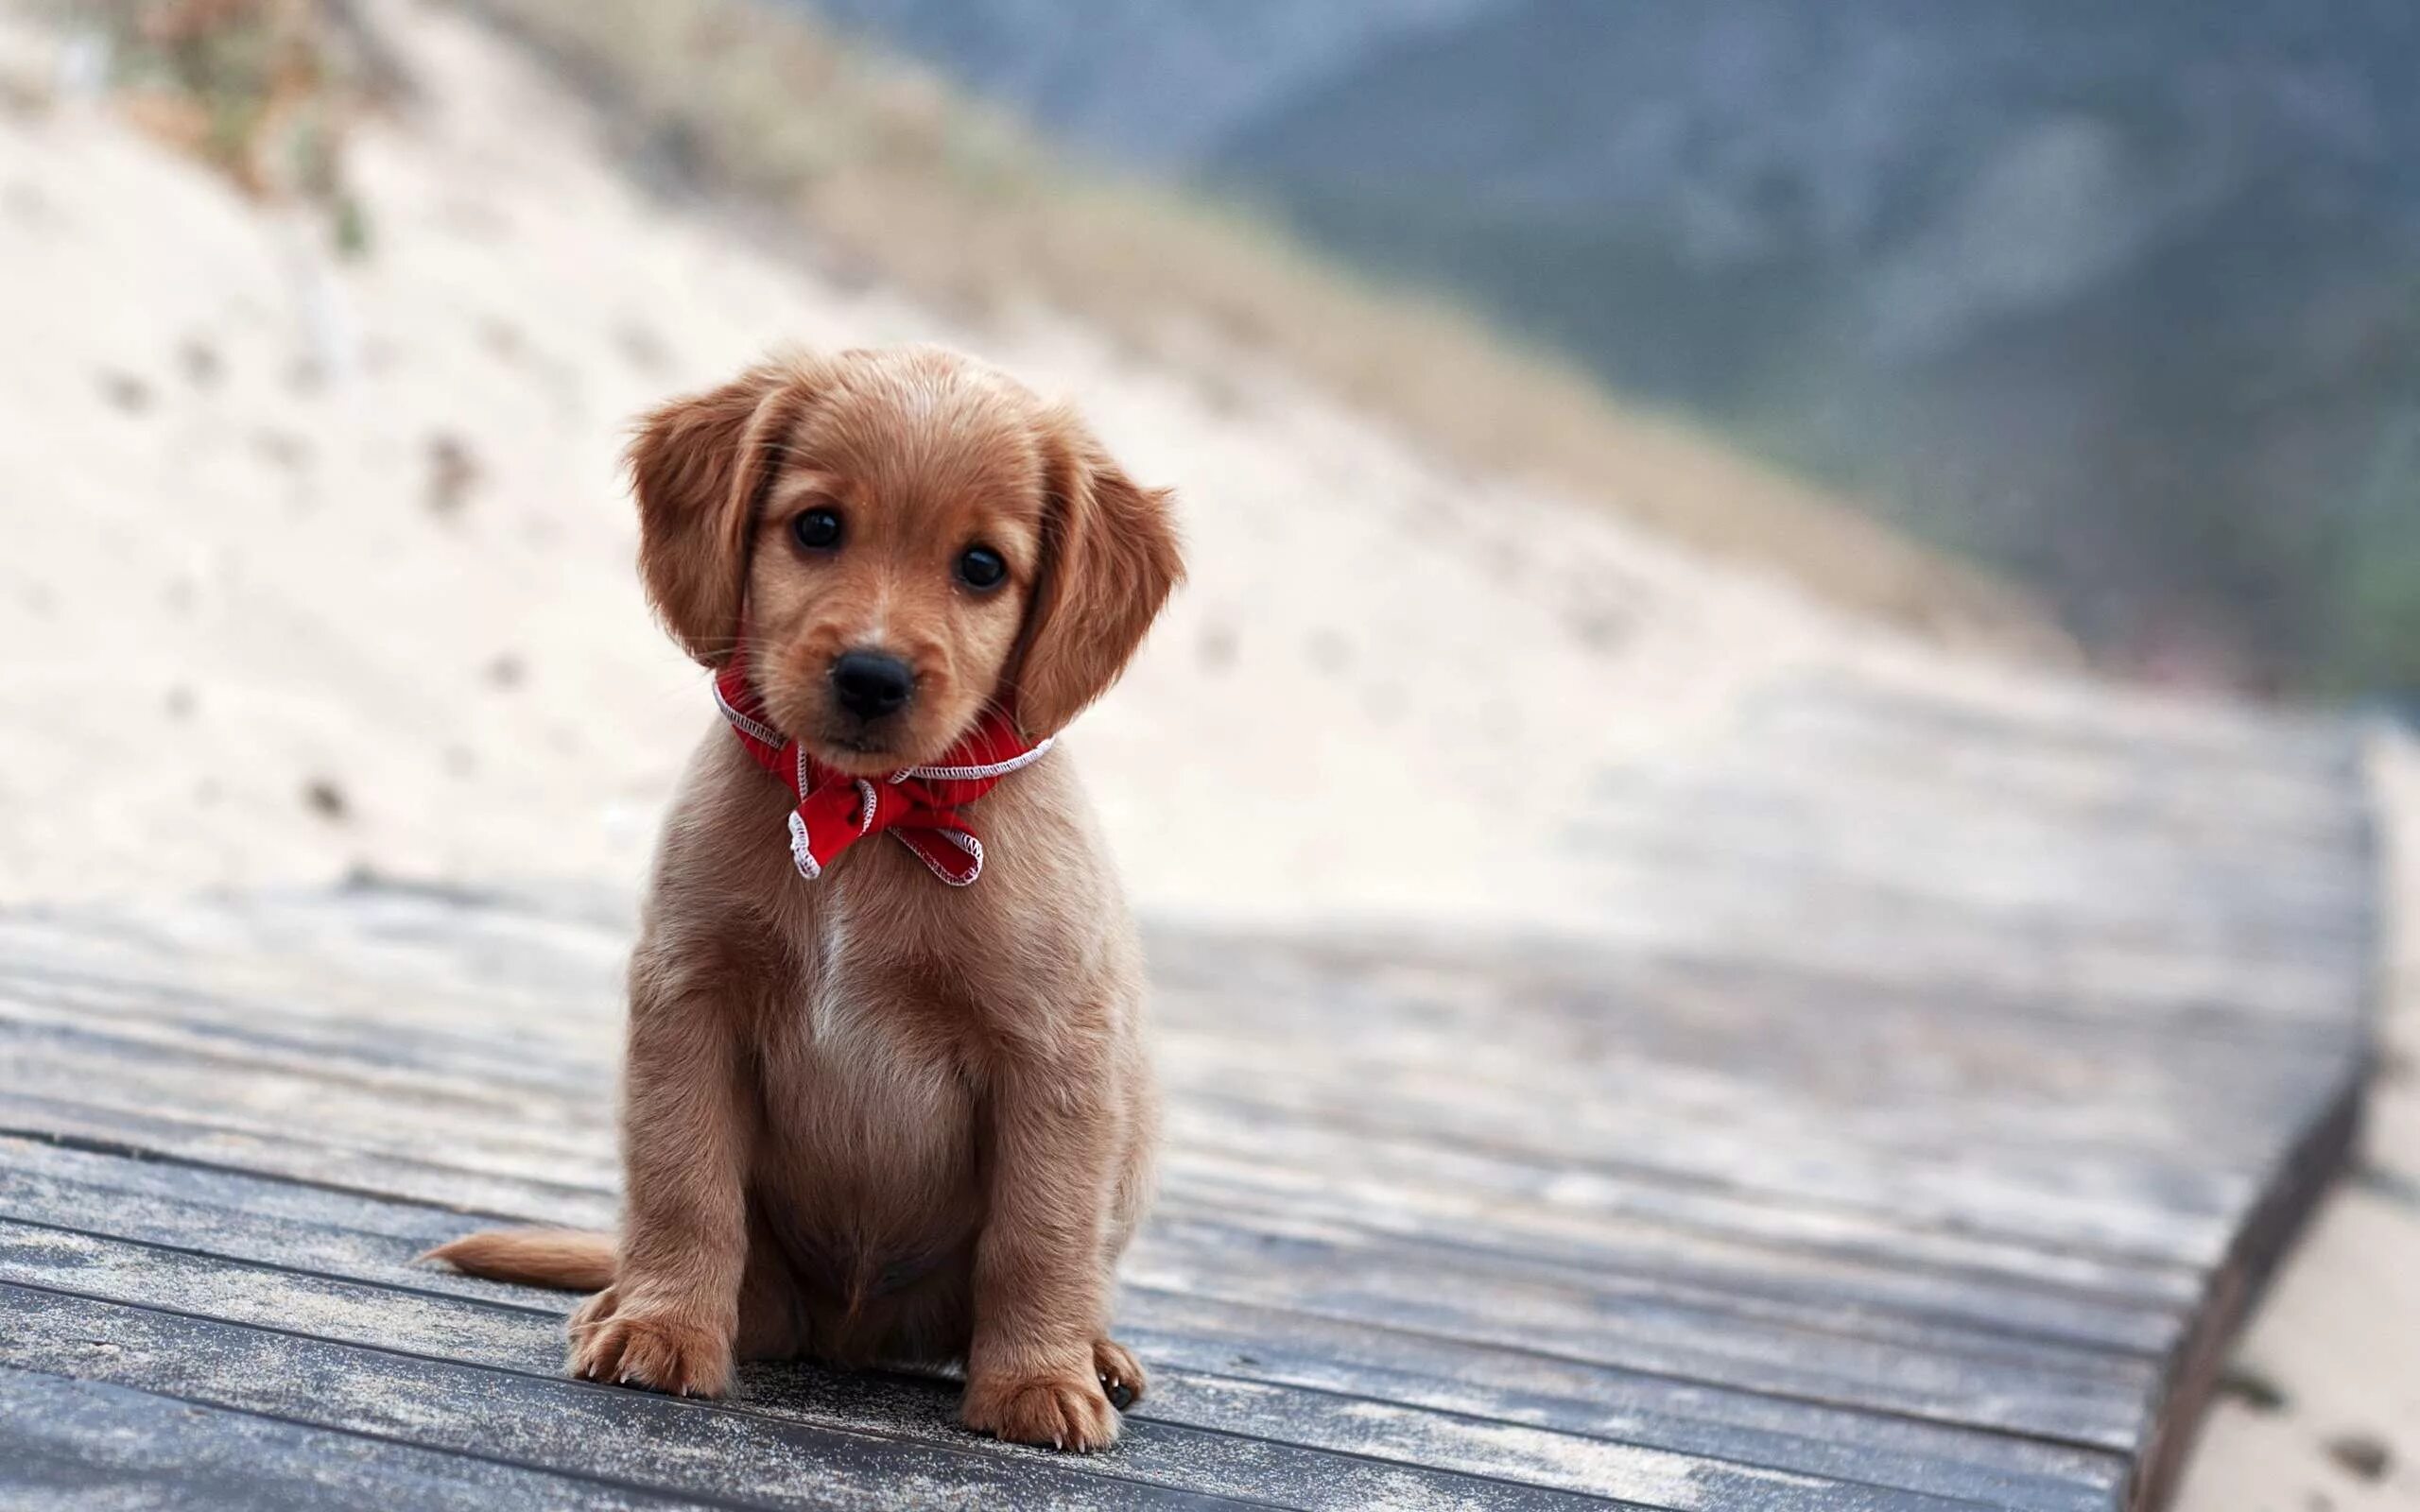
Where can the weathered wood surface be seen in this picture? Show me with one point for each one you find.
(1945, 1083)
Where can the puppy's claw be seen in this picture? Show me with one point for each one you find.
(1061, 1412)
(1121, 1374)
(657, 1353)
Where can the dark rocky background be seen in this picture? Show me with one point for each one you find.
(2120, 298)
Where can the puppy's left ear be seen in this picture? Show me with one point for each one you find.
(699, 465)
(1110, 559)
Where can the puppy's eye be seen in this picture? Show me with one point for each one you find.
(816, 530)
(981, 567)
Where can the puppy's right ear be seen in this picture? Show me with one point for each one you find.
(699, 465)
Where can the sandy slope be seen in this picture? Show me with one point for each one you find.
(312, 567)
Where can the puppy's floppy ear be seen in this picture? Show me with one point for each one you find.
(699, 465)
(1110, 559)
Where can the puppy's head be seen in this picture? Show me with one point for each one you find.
(908, 538)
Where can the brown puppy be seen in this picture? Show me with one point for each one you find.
(870, 1117)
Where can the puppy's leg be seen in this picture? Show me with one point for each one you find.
(671, 1316)
(1041, 1270)
(774, 1323)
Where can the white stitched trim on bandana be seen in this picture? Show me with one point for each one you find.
(800, 851)
(762, 732)
(865, 805)
(964, 842)
(959, 774)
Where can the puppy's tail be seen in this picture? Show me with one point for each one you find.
(570, 1260)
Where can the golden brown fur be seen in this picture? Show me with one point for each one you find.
(873, 1117)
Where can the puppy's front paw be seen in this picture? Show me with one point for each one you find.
(1066, 1411)
(658, 1350)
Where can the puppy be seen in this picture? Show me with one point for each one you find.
(885, 1095)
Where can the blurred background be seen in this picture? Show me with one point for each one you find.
(1540, 380)
(2117, 300)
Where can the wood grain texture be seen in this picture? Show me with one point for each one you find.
(1946, 1079)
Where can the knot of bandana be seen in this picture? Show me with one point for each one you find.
(919, 805)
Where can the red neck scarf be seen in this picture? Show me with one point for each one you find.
(919, 805)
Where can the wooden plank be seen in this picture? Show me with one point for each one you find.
(1923, 1370)
(622, 1437)
(266, 1089)
(1200, 1432)
(1523, 1242)
(2079, 721)
(576, 1116)
(574, 1111)
(1741, 1154)
(2037, 883)
(54, 1056)
(2139, 814)
(2023, 1096)
(2139, 1206)
(2116, 1430)
(1529, 1192)
(255, 1029)
(333, 1233)
(2165, 1181)
(1494, 1184)
(1525, 1384)
(1655, 910)
(102, 1125)
(1205, 1389)
(2139, 1328)
(101, 1448)
(2195, 1366)
(1946, 1076)
(2027, 1068)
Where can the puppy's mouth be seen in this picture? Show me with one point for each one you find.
(858, 752)
(842, 748)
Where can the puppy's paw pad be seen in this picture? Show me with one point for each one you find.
(1120, 1374)
(1049, 1411)
(654, 1352)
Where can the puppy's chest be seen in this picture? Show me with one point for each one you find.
(871, 1042)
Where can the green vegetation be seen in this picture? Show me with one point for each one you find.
(2373, 639)
(263, 90)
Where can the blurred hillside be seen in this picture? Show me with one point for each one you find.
(327, 323)
(891, 178)
(2123, 299)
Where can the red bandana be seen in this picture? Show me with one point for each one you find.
(919, 805)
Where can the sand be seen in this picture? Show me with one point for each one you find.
(327, 565)
(315, 566)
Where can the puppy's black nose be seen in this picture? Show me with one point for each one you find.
(871, 684)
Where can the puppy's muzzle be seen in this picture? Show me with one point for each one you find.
(871, 684)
